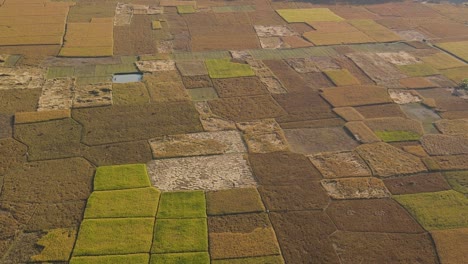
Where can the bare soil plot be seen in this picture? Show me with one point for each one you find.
(381, 110)
(340, 164)
(302, 65)
(129, 94)
(296, 42)
(6, 125)
(445, 144)
(23, 248)
(308, 195)
(156, 66)
(361, 132)
(289, 78)
(191, 68)
(347, 64)
(367, 216)
(137, 38)
(386, 160)
(24, 100)
(50, 140)
(303, 106)
(355, 188)
(246, 108)
(197, 144)
(111, 154)
(12, 154)
(234, 201)
(456, 162)
(417, 83)
(243, 235)
(348, 113)
(314, 140)
(234, 37)
(398, 58)
(300, 241)
(452, 127)
(419, 183)
(201, 173)
(282, 168)
(242, 86)
(449, 243)
(444, 100)
(21, 78)
(377, 69)
(356, 96)
(380, 247)
(56, 94)
(117, 124)
(49, 181)
(273, 31)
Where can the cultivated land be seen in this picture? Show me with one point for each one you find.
(250, 131)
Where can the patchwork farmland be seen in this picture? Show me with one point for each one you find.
(228, 132)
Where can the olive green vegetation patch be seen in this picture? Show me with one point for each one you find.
(130, 93)
(224, 68)
(459, 49)
(86, 52)
(121, 177)
(110, 69)
(438, 210)
(85, 71)
(114, 236)
(342, 77)
(128, 59)
(58, 245)
(185, 9)
(234, 201)
(180, 235)
(442, 61)
(202, 94)
(93, 80)
(419, 69)
(254, 260)
(140, 202)
(456, 74)
(12, 60)
(181, 258)
(156, 24)
(60, 72)
(186, 204)
(458, 180)
(112, 259)
(308, 15)
(32, 117)
(202, 55)
(395, 136)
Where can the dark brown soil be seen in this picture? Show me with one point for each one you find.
(246, 108)
(346, 63)
(303, 106)
(49, 181)
(356, 95)
(23, 248)
(282, 168)
(6, 126)
(317, 80)
(232, 201)
(373, 215)
(377, 111)
(119, 153)
(367, 247)
(455, 162)
(57, 215)
(444, 144)
(32, 55)
(445, 101)
(291, 80)
(137, 38)
(19, 100)
(330, 122)
(303, 236)
(233, 87)
(12, 154)
(306, 196)
(124, 123)
(200, 81)
(425, 182)
(14, 216)
(50, 140)
(240, 223)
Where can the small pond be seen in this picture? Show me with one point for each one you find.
(127, 78)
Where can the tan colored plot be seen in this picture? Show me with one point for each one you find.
(32, 10)
(33, 30)
(332, 27)
(86, 52)
(442, 61)
(308, 15)
(31, 40)
(456, 74)
(417, 83)
(354, 96)
(459, 49)
(337, 38)
(28, 20)
(32, 117)
(342, 77)
(175, 3)
(94, 39)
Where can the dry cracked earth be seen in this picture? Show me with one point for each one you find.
(241, 131)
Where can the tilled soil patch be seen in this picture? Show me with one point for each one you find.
(369, 247)
(291, 80)
(303, 106)
(355, 188)
(137, 38)
(450, 244)
(19, 100)
(12, 154)
(233, 87)
(118, 153)
(123, 123)
(452, 127)
(373, 215)
(199, 81)
(57, 215)
(425, 182)
(356, 96)
(381, 110)
(282, 168)
(340, 164)
(303, 242)
(445, 145)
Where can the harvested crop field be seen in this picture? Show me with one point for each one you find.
(229, 132)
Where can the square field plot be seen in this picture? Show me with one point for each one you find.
(438, 210)
(224, 68)
(201, 173)
(234, 201)
(192, 257)
(121, 177)
(114, 259)
(180, 235)
(114, 236)
(308, 15)
(140, 202)
(182, 205)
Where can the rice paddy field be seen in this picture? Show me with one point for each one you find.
(229, 132)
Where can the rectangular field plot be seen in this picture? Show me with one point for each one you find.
(180, 235)
(308, 15)
(114, 259)
(459, 49)
(190, 204)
